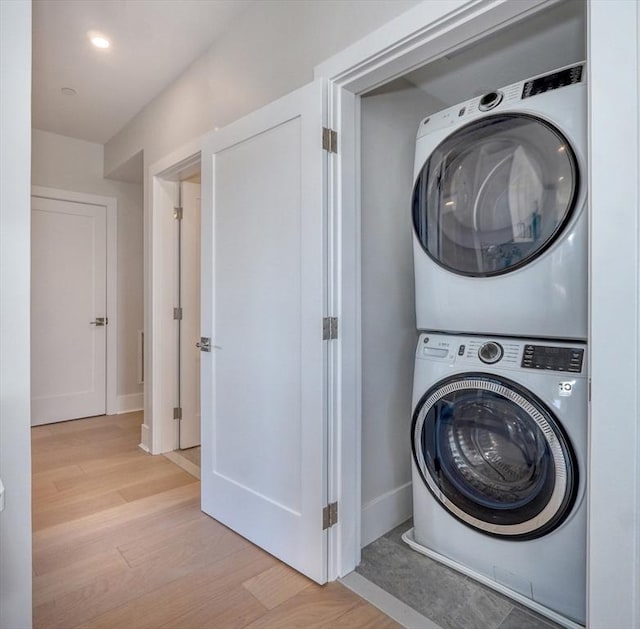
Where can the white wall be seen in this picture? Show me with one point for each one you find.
(614, 482)
(69, 164)
(389, 121)
(269, 51)
(15, 262)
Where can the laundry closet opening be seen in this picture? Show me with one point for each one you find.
(390, 117)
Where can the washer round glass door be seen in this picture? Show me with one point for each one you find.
(495, 194)
(494, 456)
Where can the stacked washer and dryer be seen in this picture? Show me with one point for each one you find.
(499, 431)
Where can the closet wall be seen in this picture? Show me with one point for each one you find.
(388, 306)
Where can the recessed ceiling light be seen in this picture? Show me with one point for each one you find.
(99, 41)
(68, 91)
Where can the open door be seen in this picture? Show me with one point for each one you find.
(189, 287)
(264, 409)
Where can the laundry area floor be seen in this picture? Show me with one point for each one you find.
(448, 598)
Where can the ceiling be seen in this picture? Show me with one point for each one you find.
(548, 40)
(152, 43)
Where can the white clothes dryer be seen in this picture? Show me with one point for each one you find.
(498, 204)
(499, 439)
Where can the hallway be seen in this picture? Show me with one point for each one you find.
(120, 541)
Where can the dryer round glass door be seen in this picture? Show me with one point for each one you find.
(494, 456)
(495, 194)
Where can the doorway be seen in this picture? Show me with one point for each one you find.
(73, 305)
(172, 426)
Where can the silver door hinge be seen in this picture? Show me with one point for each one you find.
(329, 515)
(177, 413)
(329, 328)
(177, 314)
(329, 140)
(177, 213)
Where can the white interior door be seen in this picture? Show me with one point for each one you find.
(68, 298)
(264, 466)
(190, 323)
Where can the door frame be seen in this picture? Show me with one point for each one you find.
(419, 36)
(111, 207)
(425, 33)
(158, 433)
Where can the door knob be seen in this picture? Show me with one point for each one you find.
(205, 344)
(99, 322)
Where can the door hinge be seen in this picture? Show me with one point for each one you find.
(329, 515)
(177, 412)
(177, 213)
(329, 328)
(329, 140)
(177, 314)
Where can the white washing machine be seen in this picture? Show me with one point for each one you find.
(499, 438)
(500, 225)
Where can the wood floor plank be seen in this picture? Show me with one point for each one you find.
(113, 460)
(138, 551)
(362, 616)
(231, 608)
(72, 510)
(103, 593)
(98, 524)
(58, 582)
(94, 480)
(179, 602)
(277, 585)
(74, 541)
(153, 486)
(314, 607)
(60, 473)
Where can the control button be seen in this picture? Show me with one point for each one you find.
(461, 350)
(490, 352)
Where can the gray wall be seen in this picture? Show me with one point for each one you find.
(390, 118)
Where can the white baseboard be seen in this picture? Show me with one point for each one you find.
(130, 403)
(384, 512)
(145, 438)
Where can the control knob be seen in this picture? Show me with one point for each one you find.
(490, 100)
(490, 352)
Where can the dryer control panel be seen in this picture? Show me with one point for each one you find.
(553, 358)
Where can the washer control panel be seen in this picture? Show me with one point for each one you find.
(501, 353)
(553, 358)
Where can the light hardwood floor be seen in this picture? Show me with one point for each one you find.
(120, 542)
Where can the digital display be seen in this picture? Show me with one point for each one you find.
(552, 81)
(553, 358)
